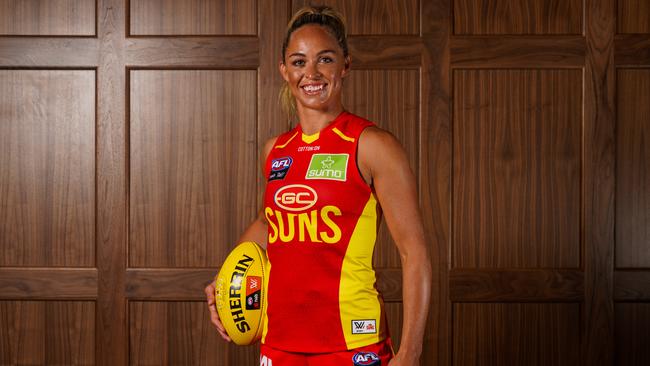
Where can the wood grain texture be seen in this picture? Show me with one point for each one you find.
(599, 156)
(47, 283)
(633, 169)
(632, 50)
(633, 16)
(632, 285)
(632, 334)
(192, 17)
(516, 334)
(48, 52)
(519, 286)
(386, 51)
(193, 150)
(222, 52)
(47, 170)
(517, 52)
(47, 333)
(390, 99)
(480, 17)
(47, 18)
(364, 17)
(516, 173)
(154, 326)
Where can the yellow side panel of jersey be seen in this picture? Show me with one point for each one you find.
(359, 302)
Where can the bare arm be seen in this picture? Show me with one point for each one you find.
(384, 163)
(256, 232)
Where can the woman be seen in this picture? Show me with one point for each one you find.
(328, 182)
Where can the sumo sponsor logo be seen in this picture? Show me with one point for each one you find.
(368, 326)
(280, 168)
(317, 224)
(296, 197)
(235, 293)
(366, 359)
(328, 167)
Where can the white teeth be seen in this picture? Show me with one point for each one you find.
(313, 88)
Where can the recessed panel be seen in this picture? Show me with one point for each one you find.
(633, 16)
(390, 98)
(193, 17)
(47, 18)
(365, 17)
(180, 333)
(193, 165)
(632, 334)
(47, 168)
(516, 334)
(482, 17)
(47, 333)
(517, 168)
(633, 169)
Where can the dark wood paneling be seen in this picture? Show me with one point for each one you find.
(48, 52)
(475, 17)
(192, 17)
(385, 52)
(632, 334)
(633, 16)
(632, 285)
(520, 286)
(633, 169)
(390, 99)
(192, 165)
(179, 333)
(222, 52)
(47, 18)
(374, 17)
(599, 159)
(516, 174)
(516, 334)
(632, 50)
(517, 52)
(47, 170)
(45, 283)
(47, 333)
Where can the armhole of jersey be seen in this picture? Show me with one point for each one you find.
(356, 159)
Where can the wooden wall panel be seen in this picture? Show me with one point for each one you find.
(516, 168)
(179, 333)
(390, 99)
(193, 17)
(47, 18)
(633, 169)
(47, 333)
(481, 17)
(633, 16)
(193, 165)
(47, 168)
(531, 334)
(632, 334)
(365, 17)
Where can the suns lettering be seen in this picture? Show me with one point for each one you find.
(283, 226)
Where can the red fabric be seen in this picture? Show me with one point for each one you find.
(383, 350)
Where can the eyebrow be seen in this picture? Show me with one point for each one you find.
(318, 54)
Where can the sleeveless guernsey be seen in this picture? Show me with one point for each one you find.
(322, 219)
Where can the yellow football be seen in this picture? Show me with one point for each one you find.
(240, 293)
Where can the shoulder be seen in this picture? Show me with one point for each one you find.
(268, 146)
(378, 140)
(379, 150)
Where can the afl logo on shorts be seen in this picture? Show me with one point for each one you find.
(296, 197)
(366, 359)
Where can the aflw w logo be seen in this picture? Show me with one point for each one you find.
(364, 326)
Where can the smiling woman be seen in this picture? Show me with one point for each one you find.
(329, 180)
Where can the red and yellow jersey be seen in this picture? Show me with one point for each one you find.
(322, 218)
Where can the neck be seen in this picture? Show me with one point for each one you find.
(313, 121)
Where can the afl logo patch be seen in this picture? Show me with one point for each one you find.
(295, 197)
(366, 359)
(280, 168)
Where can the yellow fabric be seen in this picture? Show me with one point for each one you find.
(342, 135)
(358, 297)
(308, 139)
(287, 143)
(265, 318)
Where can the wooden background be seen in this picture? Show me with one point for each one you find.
(130, 132)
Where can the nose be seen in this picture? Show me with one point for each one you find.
(311, 71)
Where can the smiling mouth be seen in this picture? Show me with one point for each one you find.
(312, 89)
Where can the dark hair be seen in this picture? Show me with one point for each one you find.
(324, 16)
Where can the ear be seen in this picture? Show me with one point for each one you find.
(283, 71)
(346, 67)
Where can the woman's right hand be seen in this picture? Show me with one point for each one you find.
(214, 316)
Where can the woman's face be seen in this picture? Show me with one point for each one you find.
(314, 68)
